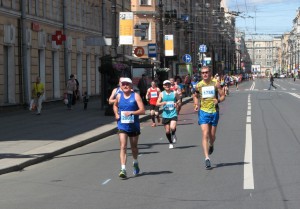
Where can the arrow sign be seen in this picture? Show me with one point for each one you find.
(187, 58)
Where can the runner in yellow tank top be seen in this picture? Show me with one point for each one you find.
(208, 91)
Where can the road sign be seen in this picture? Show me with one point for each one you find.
(139, 51)
(202, 48)
(151, 50)
(187, 58)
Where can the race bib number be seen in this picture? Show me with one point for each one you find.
(153, 94)
(169, 106)
(126, 119)
(208, 92)
(194, 86)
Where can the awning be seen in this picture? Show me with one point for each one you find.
(132, 58)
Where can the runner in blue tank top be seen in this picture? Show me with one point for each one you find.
(170, 101)
(127, 108)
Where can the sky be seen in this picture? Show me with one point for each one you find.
(264, 17)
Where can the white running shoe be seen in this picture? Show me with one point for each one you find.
(171, 146)
(174, 139)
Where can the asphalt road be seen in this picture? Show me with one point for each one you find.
(256, 163)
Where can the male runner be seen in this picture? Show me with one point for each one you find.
(127, 108)
(170, 100)
(152, 96)
(208, 91)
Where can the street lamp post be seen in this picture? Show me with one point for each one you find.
(161, 34)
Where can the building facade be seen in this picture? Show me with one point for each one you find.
(29, 31)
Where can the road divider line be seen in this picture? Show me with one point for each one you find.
(248, 164)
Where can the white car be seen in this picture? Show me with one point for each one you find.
(282, 76)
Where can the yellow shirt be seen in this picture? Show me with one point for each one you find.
(208, 92)
(38, 87)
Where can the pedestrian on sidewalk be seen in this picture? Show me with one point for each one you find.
(71, 88)
(85, 97)
(210, 94)
(127, 108)
(152, 96)
(143, 86)
(76, 94)
(169, 100)
(38, 94)
(272, 82)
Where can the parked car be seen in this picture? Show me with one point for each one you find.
(282, 76)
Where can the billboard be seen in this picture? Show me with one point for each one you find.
(126, 28)
(169, 45)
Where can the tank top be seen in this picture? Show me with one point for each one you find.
(208, 92)
(128, 123)
(153, 96)
(169, 110)
(117, 91)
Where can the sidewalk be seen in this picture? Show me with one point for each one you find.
(27, 139)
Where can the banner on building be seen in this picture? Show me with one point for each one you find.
(126, 28)
(255, 69)
(169, 45)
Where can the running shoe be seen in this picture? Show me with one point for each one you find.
(207, 163)
(171, 146)
(136, 169)
(210, 149)
(122, 174)
(174, 139)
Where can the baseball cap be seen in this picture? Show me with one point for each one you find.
(128, 80)
(166, 81)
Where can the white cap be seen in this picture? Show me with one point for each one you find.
(166, 81)
(128, 80)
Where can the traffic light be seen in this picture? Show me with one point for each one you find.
(199, 65)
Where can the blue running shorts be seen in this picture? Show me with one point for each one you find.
(208, 118)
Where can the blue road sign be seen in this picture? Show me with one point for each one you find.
(202, 48)
(187, 58)
(151, 50)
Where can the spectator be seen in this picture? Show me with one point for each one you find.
(143, 87)
(38, 93)
(71, 88)
(187, 83)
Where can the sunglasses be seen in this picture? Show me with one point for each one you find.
(205, 72)
(125, 84)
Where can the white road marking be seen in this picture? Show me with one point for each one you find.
(248, 119)
(106, 181)
(248, 165)
(295, 95)
(252, 86)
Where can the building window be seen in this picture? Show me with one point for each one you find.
(145, 2)
(147, 32)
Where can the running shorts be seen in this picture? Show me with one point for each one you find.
(129, 134)
(166, 121)
(208, 118)
(154, 107)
